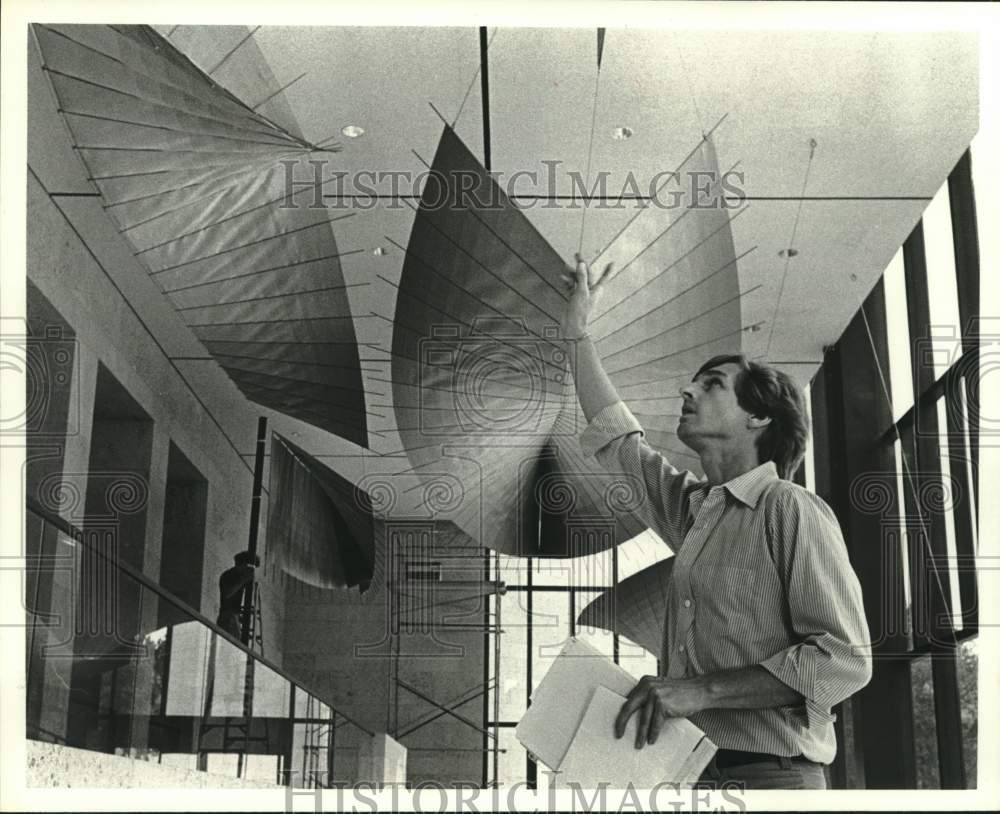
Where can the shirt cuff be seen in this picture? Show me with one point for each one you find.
(612, 422)
(796, 667)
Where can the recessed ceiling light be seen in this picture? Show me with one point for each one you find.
(353, 131)
(621, 133)
(789, 252)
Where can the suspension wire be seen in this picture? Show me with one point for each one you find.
(593, 125)
(690, 86)
(472, 83)
(789, 251)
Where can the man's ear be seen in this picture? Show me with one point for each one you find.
(755, 422)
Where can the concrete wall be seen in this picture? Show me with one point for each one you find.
(83, 266)
(85, 282)
(50, 765)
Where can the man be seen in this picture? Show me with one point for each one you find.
(231, 585)
(765, 627)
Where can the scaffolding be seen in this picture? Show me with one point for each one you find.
(237, 734)
(417, 591)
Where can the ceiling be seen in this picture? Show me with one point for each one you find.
(890, 113)
(841, 138)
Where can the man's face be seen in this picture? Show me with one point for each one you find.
(709, 409)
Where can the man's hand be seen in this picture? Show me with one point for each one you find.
(656, 699)
(585, 293)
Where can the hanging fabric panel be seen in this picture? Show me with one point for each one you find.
(320, 528)
(198, 184)
(479, 366)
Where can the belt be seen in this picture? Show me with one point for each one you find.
(725, 758)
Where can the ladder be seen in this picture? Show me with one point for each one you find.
(256, 641)
(236, 730)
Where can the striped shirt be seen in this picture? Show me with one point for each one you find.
(761, 577)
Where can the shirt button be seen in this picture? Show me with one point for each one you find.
(687, 603)
(681, 648)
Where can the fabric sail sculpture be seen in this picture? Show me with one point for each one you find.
(197, 183)
(320, 527)
(481, 380)
(328, 532)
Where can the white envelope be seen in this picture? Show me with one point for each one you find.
(569, 728)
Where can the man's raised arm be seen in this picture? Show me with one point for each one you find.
(613, 435)
(593, 387)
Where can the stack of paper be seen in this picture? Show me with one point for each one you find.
(570, 728)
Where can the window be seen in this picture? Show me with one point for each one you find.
(182, 542)
(538, 616)
(900, 376)
(914, 362)
(939, 249)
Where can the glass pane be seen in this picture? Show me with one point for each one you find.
(229, 680)
(904, 542)
(548, 572)
(190, 645)
(947, 513)
(513, 760)
(308, 707)
(271, 693)
(50, 632)
(592, 570)
(97, 655)
(968, 696)
(939, 248)
(924, 724)
(550, 629)
(491, 665)
(513, 673)
(553, 571)
(985, 171)
(146, 673)
(310, 751)
(897, 327)
(105, 674)
(513, 570)
(971, 472)
(600, 639)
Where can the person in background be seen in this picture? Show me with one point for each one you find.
(231, 585)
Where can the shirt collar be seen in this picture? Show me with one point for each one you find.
(749, 486)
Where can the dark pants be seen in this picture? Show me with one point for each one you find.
(779, 773)
(229, 621)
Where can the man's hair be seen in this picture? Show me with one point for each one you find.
(246, 558)
(766, 392)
